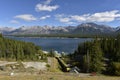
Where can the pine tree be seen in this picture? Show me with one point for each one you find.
(86, 62)
(96, 64)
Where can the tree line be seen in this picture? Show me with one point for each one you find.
(101, 55)
(18, 50)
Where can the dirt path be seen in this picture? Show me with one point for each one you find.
(53, 64)
(36, 65)
(3, 63)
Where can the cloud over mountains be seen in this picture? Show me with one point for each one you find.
(26, 17)
(46, 6)
(106, 16)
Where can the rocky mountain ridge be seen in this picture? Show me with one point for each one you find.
(84, 28)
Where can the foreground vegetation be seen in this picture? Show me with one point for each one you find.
(19, 50)
(101, 55)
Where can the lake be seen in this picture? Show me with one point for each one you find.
(67, 45)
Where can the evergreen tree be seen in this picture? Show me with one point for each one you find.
(96, 61)
(86, 62)
(17, 50)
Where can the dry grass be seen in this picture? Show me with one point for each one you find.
(54, 76)
(54, 65)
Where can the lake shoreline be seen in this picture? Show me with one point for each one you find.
(50, 37)
(56, 36)
(66, 45)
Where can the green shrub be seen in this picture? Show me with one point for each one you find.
(115, 68)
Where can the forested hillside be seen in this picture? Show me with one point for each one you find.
(18, 50)
(101, 55)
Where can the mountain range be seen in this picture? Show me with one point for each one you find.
(84, 28)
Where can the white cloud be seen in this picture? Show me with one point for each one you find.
(47, 2)
(79, 17)
(62, 18)
(26, 17)
(45, 17)
(42, 7)
(107, 16)
(46, 7)
(14, 22)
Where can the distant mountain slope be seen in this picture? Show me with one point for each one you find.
(84, 28)
(92, 28)
(6, 30)
(39, 30)
(118, 31)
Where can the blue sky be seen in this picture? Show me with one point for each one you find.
(16, 13)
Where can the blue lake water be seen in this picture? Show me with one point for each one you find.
(67, 45)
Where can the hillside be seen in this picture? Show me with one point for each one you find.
(18, 50)
(92, 28)
(102, 55)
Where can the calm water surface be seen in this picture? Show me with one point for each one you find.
(67, 45)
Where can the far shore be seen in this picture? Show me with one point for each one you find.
(49, 36)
